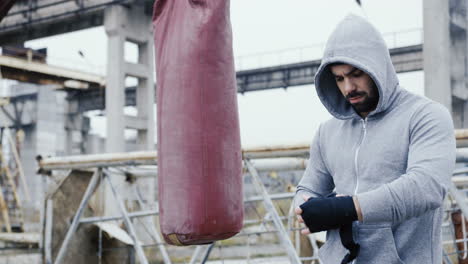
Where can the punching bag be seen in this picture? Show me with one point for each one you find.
(5, 6)
(199, 152)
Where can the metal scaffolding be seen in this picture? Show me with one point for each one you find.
(140, 165)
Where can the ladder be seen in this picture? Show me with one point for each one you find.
(10, 203)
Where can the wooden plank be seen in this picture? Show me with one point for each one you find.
(29, 239)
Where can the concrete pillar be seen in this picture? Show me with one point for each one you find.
(77, 127)
(445, 56)
(133, 25)
(463, 51)
(115, 90)
(458, 60)
(145, 93)
(437, 84)
(95, 144)
(46, 137)
(129, 24)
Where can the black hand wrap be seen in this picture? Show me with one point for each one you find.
(346, 235)
(321, 214)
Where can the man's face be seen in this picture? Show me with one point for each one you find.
(357, 87)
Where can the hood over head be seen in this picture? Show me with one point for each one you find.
(356, 42)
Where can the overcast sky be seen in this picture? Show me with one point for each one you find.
(268, 32)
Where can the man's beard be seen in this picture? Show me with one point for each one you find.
(368, 104)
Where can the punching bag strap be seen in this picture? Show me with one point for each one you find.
(346, 235)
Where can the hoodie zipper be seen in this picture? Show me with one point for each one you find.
(356, 154)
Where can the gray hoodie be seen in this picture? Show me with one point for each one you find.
(397, 162)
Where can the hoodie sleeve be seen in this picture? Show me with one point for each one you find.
(431, 160)
(316, 181)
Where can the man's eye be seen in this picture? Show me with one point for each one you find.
(357, 74)
(338, 78)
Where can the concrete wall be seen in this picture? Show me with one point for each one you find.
(46, 138)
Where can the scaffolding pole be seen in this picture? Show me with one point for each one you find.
(128, 223)
(261, 163)
(273, 158)
(196, 254)
(76, 219)
(282, 234)
(154, 232)
(96, 219)
(459, 198)
(48, 231)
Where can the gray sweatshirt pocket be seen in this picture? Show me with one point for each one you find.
(377, 245)
(332, 252)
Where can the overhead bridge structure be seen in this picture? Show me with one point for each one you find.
(24, 70)
(405, 59)
(87, 87)
(32, 19)
(443, 58)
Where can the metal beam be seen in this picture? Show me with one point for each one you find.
(405, 59)
(286, 158)
(99, 160)
(128, 223)
(152, 228)
(34, 19)
(99, 219)
(42, 73)
(48, 231)
(27, 114)
(150, 158)
(459, 198)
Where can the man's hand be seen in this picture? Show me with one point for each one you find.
(298, 211)
(321, 214)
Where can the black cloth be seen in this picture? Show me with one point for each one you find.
(346, 235)
(321, 214)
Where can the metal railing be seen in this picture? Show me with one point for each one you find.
(311, 52)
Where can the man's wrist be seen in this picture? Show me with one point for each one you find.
(325, 213)
(358, 208)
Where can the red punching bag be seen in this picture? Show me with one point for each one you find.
(199, 152)
(5, 6)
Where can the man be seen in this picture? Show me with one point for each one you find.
(379, 170)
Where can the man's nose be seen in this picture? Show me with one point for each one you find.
(349, 86)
